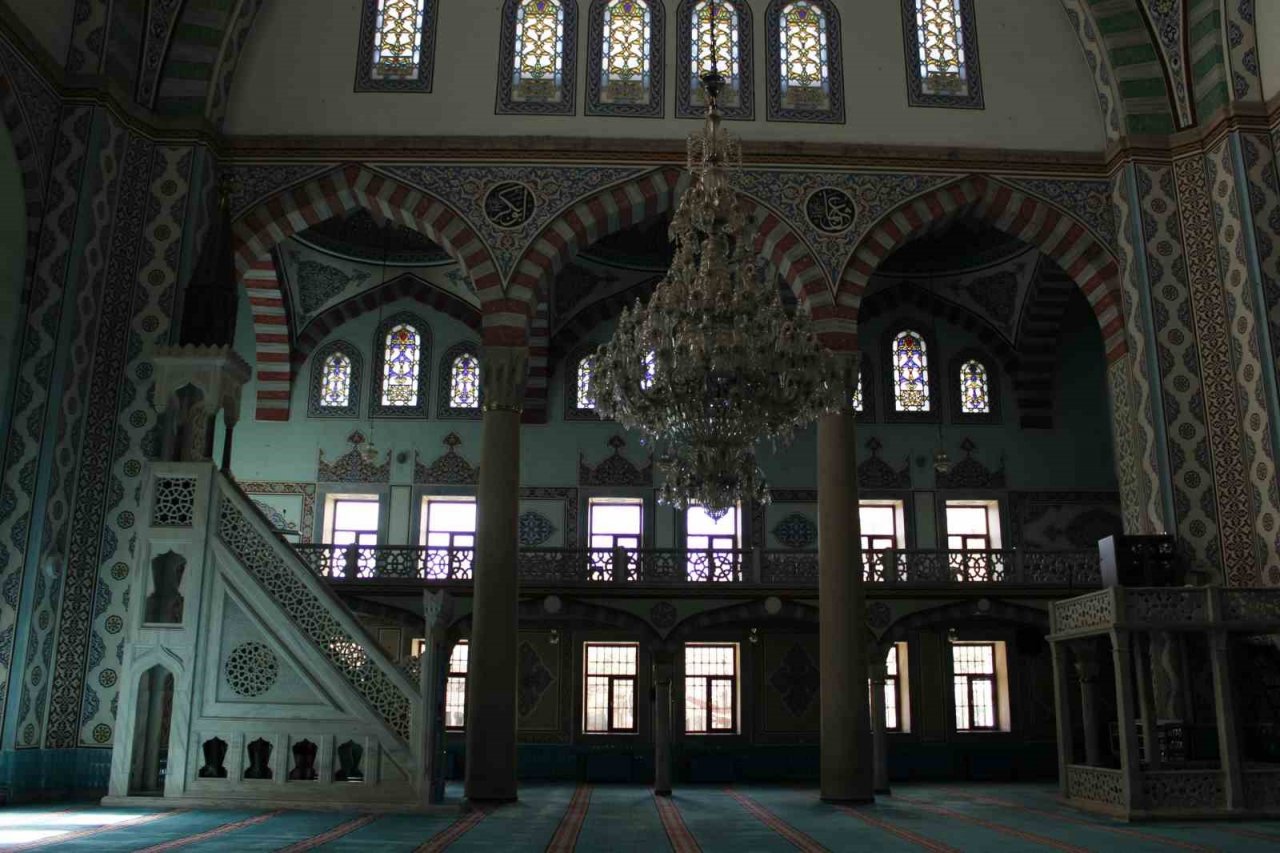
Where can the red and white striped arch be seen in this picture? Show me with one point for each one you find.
(1058, 234)
(621, 206)
(298, 208)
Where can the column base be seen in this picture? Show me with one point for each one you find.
(848, 801)
(470, 803)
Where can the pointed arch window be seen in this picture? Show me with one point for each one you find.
(403, 348)
(397, 43)
(580, 398)
(858, 402)
(460, 389)
(625, 67)
(910, 372)
(975, 390)
(804, 61)
(586, 399)
(539, 57)
(731, 35)
(335, 381)
(942, 47)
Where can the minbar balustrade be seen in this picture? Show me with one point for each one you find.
(679, 567)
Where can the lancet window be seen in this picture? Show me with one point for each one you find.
(464, 382)
(403, 352)
(726, 38)
(625, 67)
(804, 56)
(396, 41)
(942, 48)
(335, 381)
(910, 373)
(975, 392)
(539, 58)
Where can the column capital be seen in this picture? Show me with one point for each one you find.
(503, 373)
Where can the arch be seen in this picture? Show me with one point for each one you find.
(736, 614)
(258, 231)
(27, 150)
(1057, 234)
(960, 611)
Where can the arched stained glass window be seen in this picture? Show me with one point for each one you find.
(910, 372)
(335, 382)
(586, 370)
(538, 54)
(857, 401)
(625, 70)
(401, 362)
(720, 40)
(806, 69)
(396, 43)
(975, 391)
(940, 31)
(464, 382)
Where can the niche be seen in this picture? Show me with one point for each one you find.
(304, 762)
(152, 714)
(350, 754)
(165, 604)
(215, 756)
(259, 760)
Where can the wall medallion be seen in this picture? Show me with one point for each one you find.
(830, 210)
(510, 204)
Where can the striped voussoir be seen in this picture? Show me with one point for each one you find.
(1034, 221)
(539, 380)
(27, 152)
(337, 193)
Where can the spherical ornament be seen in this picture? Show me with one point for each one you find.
(552, 604)
(773, 605)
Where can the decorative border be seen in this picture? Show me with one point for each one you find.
(835, 72)
(568, 103)
(306, 522)
(444, 408)
(993, 387)
(685, 106)
(314, 389)
(376, 409)
(657, 63)
(916, 95)
(937, 398)
(426, 53)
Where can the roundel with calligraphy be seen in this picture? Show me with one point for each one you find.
(509, 204)
(831, 210)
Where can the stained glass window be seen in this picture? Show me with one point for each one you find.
(586, 369)
(539, 51)
(464, 382)
(721, 40)
(975, 396)
(910, 373)
(625, 72)
(402, 354)
(857, 394)
(805, 71)
(940, 33)
(335, 382)
(398, 39)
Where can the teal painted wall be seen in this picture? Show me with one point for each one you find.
(1034, 460)
(13, 249)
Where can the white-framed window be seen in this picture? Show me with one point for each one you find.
(352, 520)
(455, 690)
(973, 525)
(609, 688)
(711, 544)
(897, 702)
(882, 524)
(710, 688)
(447, 529)
(613, 523)
(979, 675)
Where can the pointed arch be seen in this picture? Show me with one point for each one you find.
(30, 142)
(258, 231)
(1060, 236)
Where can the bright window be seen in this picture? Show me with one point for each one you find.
(448, 530)
(857, 401)
(895, 677)
(710, 688)
(538, 74)
(352, 520)
(975, 391)
(910, 373)
(940, 30)
(455, 691)
(711, 544)
(718, 40)
(802, 35)
(335, 382)
(586, 369)
(973, 525)
(398, 39)
(401, 356)
(973, 669)
(625, 73)
(464, 382)
(881, 525)
(609, 703)
(613, 523)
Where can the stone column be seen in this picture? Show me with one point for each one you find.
(1124, 714)
(846, 774)
(492, 664)
(437, 609)
(1062, 712)
(879, 735)
(1146, 707)
(1087, 673)
(662, 674)
(1224, 707)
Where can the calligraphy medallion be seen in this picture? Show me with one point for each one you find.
(831, 210)
(510, 204)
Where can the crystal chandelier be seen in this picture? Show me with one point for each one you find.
(713, 364)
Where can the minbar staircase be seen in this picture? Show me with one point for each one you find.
(244, 676)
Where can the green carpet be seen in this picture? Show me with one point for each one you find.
(713, 819)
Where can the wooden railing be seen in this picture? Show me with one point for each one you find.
(679, 567)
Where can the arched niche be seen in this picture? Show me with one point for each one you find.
(153, 713)
(165, 603)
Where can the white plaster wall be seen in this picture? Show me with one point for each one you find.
(49, 21)
(297, 71)
(1268, 23)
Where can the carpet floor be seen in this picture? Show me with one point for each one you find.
(562, 818)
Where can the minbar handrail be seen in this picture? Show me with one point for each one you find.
(689, 567)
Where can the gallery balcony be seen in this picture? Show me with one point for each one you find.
(717, 572)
